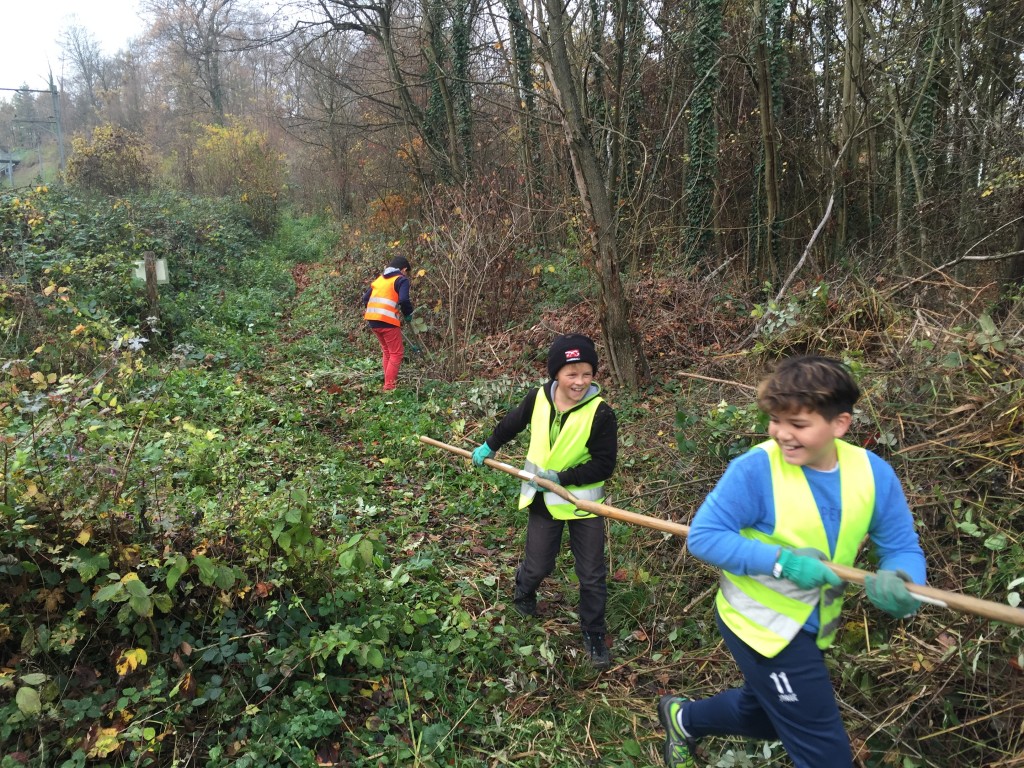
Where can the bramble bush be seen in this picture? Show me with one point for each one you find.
(185, 540)
(229, 549)
(115, 162)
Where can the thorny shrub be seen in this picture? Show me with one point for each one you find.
(115, 162)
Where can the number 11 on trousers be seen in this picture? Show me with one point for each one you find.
(783, 687)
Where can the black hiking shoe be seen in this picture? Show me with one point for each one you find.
(597, 651)
(525, 604)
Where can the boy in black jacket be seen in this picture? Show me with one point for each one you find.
(573, 442)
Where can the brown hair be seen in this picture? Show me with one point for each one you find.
(818, 384)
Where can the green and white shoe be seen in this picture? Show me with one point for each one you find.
(680, 748)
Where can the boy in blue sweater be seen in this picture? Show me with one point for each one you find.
(777, 513)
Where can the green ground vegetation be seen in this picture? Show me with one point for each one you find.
(222, 545)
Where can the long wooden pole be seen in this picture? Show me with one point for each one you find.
(987, 609)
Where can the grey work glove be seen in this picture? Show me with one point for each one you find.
(887, 590)
(547, 474)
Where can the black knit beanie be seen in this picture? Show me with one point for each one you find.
(400, 262)
(572, 348)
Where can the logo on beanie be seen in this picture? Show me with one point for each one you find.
(572, 355)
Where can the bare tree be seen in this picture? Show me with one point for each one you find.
(195, 35)
(625, 354)
(88, 75)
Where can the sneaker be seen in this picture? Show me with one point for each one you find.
(680, 747)
(593, 642)
(525, 604)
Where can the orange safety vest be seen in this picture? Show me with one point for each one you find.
(383, 303)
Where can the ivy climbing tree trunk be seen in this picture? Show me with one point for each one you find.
(439, 127)
(767, 44)
(448, 119)
(851, 114)
(622, 344)
(703, 134)
(768, 56)
(463, 17)
(625, 106)
(520, 64)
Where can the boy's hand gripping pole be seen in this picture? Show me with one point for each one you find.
(987, 609)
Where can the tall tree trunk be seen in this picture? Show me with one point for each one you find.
(625, 356)
(439, 130)
(521, 79)
(701, 180)
(767, 41)
(851, 115)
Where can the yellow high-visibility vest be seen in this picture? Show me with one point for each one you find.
(568, 450)
(767, 612)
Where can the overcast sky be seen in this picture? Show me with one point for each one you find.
(32, 29)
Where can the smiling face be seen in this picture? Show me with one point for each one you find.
(807, 438)
(573, 382)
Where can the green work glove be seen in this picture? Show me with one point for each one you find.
(482, 451)
(547, 474)
(817, 553)
(807, 571)
(887, 590)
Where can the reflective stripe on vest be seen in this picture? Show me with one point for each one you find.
(383, 303)
(570, 449)
(767, 612)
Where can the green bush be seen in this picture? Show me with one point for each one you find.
(238, 161)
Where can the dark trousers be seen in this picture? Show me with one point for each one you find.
(787, 698)
(586, 541)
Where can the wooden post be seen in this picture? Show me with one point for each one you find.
(149, 259)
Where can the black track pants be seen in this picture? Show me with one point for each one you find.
(586, 541)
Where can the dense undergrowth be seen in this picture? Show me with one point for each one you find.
(221, 545)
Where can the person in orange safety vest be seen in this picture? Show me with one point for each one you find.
(387, 302)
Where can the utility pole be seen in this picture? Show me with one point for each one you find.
(60, 130)
(55, 120)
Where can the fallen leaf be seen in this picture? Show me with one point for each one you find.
(130, 660)
(105, 743)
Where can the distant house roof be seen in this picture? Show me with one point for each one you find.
(6, 157)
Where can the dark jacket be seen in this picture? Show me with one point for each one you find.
(602, 444)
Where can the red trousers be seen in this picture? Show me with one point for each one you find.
(393, 350)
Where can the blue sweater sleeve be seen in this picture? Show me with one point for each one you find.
(892, 531)
(741, 499)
